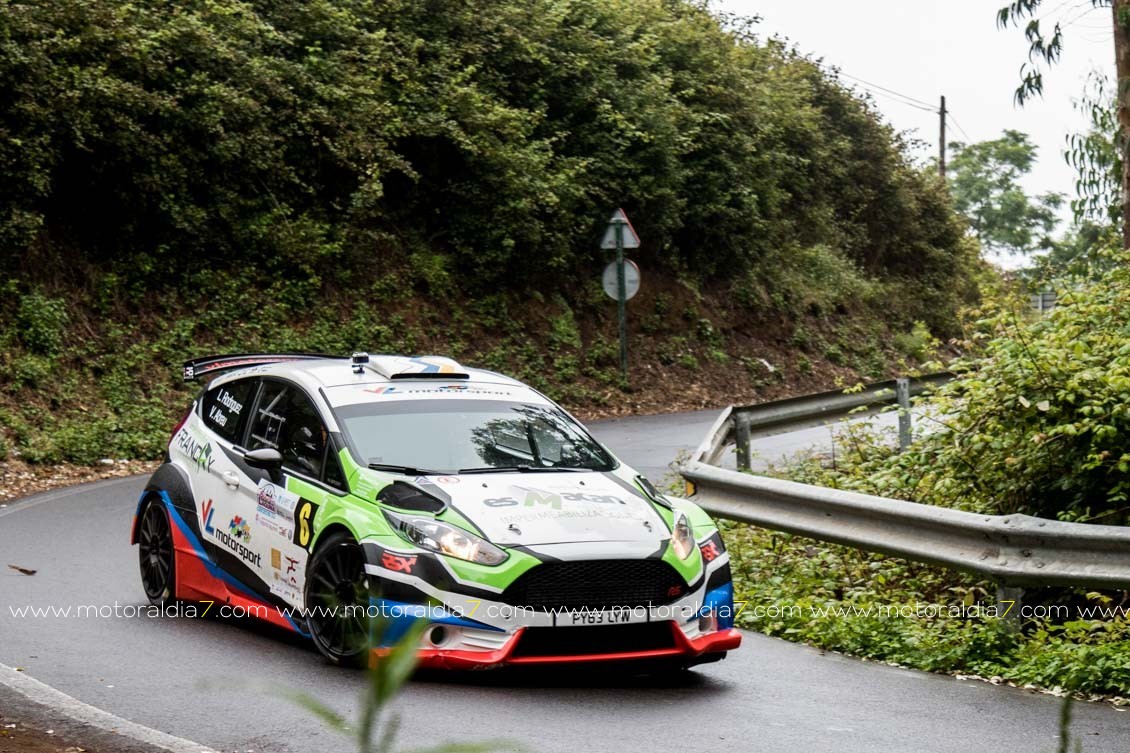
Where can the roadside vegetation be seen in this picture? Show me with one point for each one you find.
(1035, 422)
(329, 176)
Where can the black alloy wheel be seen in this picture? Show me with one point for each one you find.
(337, 600)
(155, 555)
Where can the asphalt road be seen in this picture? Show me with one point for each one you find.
(217, 682)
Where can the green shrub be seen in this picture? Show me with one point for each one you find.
(918, 344)
(42, 322)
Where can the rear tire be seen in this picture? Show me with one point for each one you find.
(336, 579)
(156, 556)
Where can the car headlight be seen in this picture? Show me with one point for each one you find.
(443, 538)
(682, 539)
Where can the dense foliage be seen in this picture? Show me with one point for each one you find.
(349, 174)
(885, 608)
(487, 139)
(1036, 422)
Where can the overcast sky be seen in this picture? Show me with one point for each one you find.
(926, 48)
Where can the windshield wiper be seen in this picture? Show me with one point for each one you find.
(407, 470)
(524, 469)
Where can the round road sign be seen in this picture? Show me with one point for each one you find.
(631, 280)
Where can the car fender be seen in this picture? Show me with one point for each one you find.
(173, 480)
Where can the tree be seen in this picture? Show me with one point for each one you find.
(1046, 50)
(985, 181)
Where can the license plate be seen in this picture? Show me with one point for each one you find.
(600, 617)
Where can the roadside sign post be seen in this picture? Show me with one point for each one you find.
(621, 299)
(620, 235)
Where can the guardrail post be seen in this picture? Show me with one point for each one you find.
(1010, 600)
(741, 440)
(902, 392)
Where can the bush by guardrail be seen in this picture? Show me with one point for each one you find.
(1012, 550)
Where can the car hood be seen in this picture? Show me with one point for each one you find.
(528, 509)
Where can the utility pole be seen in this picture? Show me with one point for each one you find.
(1122, 69)
(942, 137)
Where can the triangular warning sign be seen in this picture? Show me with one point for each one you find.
(631, 240)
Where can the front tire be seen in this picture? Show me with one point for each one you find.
(336, 580)
(156, 557)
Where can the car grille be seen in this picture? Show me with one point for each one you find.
(596, 584)
(594, 640)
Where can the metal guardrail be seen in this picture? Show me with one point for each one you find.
(804, 412)
(1012, 550)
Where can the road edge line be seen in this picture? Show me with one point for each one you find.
(75, 710)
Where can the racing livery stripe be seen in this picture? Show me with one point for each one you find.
(224, 579)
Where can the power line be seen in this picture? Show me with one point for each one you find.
(957, 125)
(895, 98)
(885, 89)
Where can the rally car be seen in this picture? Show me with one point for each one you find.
(325, 494)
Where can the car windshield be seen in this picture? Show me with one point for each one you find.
(451, 436)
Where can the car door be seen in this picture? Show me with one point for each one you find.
(224, 413)
(283, 506)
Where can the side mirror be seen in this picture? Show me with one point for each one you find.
(267, 458)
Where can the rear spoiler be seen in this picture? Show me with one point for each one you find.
(210, 365)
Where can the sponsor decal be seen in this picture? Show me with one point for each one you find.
(200, 453)
(447, 479)
(275, 527)
(276, 501)
(535, 497)
(710, 551)
(207, 517)
(274, 509)
(286, 591)
(397, 562)
(285, 584)
(236, 539)
(674, 591)
(240, 529)
(442, 389)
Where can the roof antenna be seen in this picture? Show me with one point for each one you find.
(359, 360)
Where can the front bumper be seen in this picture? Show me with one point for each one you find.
(454, 642)
(684, 651)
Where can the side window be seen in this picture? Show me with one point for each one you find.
(225, 407)
(303, 438)
(267, 424)
(286, 420)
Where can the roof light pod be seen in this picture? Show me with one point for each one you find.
(417, 367)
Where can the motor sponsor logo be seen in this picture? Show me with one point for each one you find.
(536, 497)
(236, 538)
(207, 513)
(198, 452)
(240, 529)
(397, 562)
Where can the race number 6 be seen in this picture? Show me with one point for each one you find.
(303, 514)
